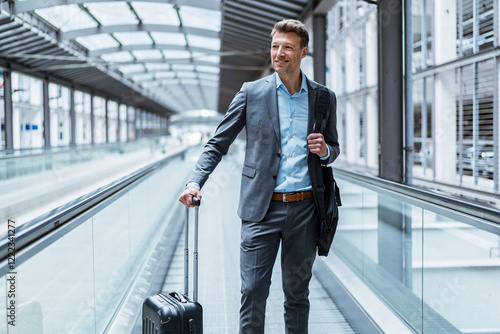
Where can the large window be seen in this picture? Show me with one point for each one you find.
(60, 123)
(131, 123)
(2, 112)
(99, 120)
(83, 118)
(352, 73)
(27, 116)
(475, 26)
(423, 37)
(123, 123)
(475, 126)
(422, 113)
(113, 122)
(455, 89)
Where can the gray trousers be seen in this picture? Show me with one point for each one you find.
(296, 226)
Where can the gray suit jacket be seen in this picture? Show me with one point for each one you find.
(255, 107)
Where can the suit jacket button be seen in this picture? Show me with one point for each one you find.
(279, 155)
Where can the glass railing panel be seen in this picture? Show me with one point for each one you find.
(350, 228)
(461, 273)
(76, 284)
(111, 259)
(140, 225)
(438, 270)
(4, 311)
(380, 238)
(55, 289)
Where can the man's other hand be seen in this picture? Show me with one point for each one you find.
(317, 144)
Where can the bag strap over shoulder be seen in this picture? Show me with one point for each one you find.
(322, 99)
(322, 104)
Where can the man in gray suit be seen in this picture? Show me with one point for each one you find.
(277, 198)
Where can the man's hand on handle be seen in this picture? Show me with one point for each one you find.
(187, 196)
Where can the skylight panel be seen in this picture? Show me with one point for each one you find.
(204, 42)
(200, 18)
(157, 67)
(142, 77)
(171, 82)
(174, 54)
(209, 83)
(118, 57)
(204, 57)
(156, 13)
(67, 17)
(95, 42)
(173, 38)
(184, 67)
(186, 75)
(131, 38)
(111, 13)
(131, 68)
(165, 75)
(210, 69)
(189, 81)
(209, 77)
(147, 54)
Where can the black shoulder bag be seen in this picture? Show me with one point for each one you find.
(327, 189)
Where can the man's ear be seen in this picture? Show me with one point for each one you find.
(304, 52)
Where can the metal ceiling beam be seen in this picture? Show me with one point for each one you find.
(17, 7)
(130, 75)
(34, 47)
(233, 14)
(243, 8)
(177, 83)
(21, 38)
(111, 29)
(285, 4)
(282, 11)
(261, 37)
(136, 47)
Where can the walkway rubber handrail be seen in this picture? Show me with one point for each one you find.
(39, 227)
(487, 213)
(43, 151)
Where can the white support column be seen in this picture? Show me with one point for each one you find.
(72, 117)
(445, 30)
(46, 114)
(371, 52)
(371, 131)
(445, 126)
(352, 63)
(352, 132)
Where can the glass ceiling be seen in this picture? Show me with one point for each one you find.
(171, 50)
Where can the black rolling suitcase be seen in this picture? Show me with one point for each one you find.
(175, 313)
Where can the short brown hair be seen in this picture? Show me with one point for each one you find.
(291, 25)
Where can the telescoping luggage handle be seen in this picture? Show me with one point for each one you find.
(196, 203)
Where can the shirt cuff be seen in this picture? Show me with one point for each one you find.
(325, 158)
(192, 184)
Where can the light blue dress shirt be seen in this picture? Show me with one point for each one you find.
(293, 174)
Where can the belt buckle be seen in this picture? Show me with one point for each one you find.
(284, 197)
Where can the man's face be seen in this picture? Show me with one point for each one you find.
(286, 52)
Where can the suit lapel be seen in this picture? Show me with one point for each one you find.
(271, 97)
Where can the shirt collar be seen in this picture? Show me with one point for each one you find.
(303, 85)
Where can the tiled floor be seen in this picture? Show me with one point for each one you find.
(219, 281)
